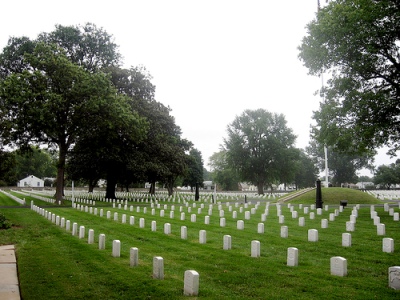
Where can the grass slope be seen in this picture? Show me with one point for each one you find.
(333, 196)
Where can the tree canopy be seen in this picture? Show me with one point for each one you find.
(387, 175)
(260, 147)
(356, 43)
(53, 92)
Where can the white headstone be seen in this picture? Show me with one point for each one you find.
(191, 283)
(324, 223)
(350, 226)
(183, 232)
(240, 224)
(193, 218)
(90, 236)
(292, 257)
(158, 267)
(388, 245)
(134, 257)
(81, 232)
(380, 229)
(312, 215)
(338, 266)
(74, 228)
(396, 216)
(227, 240)
(222, 222)
(167, 228)
(302, 221)
(394, 277)
(116, 248)
(346, 239)
(102, 241)
(153, 226)
(353, 219)
(141, 222)
(313, 235)
(202, 237)
(207, 220)
(131, 220)
(281, 219)
(284, 232)
(260, 228)
(255, 248)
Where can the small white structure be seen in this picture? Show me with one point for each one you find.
(31, 181)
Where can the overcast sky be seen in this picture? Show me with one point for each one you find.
(210, 59)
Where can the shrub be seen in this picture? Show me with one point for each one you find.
(4, 223)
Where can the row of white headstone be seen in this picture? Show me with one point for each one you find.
(191, 277)
(388, 243)
(338, 264)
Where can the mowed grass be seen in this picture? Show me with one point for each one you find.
(53, 264)
(333, 196)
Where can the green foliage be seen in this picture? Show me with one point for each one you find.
(387, 175)
(357, 42)
(195, 169)
(8, 174)
(35, 161)
(53, 90)
(4, 223)
(305, 171)
(259, 147)
(225, 177)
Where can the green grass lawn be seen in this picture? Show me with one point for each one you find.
(53, 264)
(333, 196)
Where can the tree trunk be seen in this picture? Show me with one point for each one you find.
(170, 187)
(110, 189)
(197, 195)
(60, 173)
(152, 190)
(260, 188)
(92, 185)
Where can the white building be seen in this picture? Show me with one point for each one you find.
(31, 181)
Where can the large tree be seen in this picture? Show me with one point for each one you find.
(8, 174)
(356, 42)
(259, 147)
(387, 175)
(306, 171)
(194, 175)
(35, 161)
(52, 90)
(223, 174)
(161, 156)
